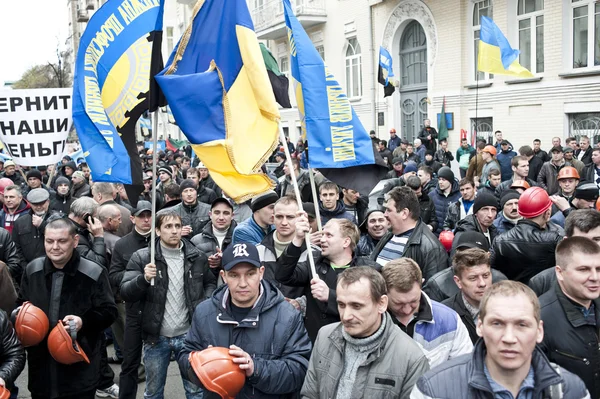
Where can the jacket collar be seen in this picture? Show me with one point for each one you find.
(268, 297)
(573, 311)
(70, 268)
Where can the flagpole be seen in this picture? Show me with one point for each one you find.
(313, 188)
(288, 160)
(154, 117)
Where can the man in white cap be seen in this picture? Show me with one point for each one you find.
(10, 172)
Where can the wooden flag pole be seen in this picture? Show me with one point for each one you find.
(288, 160)
(313, 188)
(154, 161)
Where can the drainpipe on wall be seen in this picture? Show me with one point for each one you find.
(373, 69)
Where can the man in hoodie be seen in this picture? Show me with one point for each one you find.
(463, 207)
(80, 186)
(14, 206)
(463, 155)
(446, 192)
(10, 172)
(508, 217)
(193, 213)
(62, 200)
(330, 206)
(504, 157)
(485, 209)
(255, 228)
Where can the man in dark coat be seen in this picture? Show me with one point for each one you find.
(446, 192)
(12, 354)
(584, 153)
(75, 292)
(62, 200)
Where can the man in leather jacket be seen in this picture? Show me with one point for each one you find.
(12, 354)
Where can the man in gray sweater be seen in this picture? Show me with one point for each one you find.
(365, 344)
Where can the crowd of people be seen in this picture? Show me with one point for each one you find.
(483, 286)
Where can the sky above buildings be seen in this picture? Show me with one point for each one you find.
(30, 32)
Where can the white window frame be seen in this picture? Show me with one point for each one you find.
(591, 39)
(349, 67)
(477, 28)
(532, 17)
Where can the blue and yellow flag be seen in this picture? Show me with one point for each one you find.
(336, 137)
(112, 83)
(218, 88)
(496, 55)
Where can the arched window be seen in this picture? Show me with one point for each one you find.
(413, 56)
(530, 17)
(585, 15)
(353, 69)
(482, 8)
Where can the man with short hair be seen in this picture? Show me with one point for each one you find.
(506, 363)
(302, 178)
(547, 179)
(463, 155)
(571, 311)
(80, 186)
(535, 163)
(520, 169)
(193, 213)
(400, 151)
(485, 209)
(355, 204)
(538, 152)
(127, 329)
(408, 236)
(428, 183)
(205, 194)
(584, 153)
(10, 172)
(528, 248)
(476, 162)
(505, 155)
(89, 230)
(372, 229)
(437, 329)
(499, 140)
(420, 150)
(265, 334)
(473, 276)
(181, 281)
(104, 194)
(256, 228)
(172, 196)
(75, 292)
(463, 207)
(494, 180)
(443, 156)
(385, 153)
(28, 231)
(427, 136)
(446, 192)
(428, 215)
(411, 155)
(61, 203)
(508, 217)
(556, 141)
(330, 207)
(569, 157)
(363, 345)
(13, 207)
(110, 217)
(338, 247)
(591, 173)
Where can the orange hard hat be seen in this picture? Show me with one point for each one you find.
(446, 238)
(520, 184)
(490, 149)
(598, 204)
(568, 172)
(31, 324)
(392, 130)
(63, 346)
(217, 371)
(4, 393)
(533, 202)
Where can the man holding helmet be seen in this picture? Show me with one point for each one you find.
(73, 291)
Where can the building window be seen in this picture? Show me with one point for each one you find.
(482, 8)
(531, 34)
(484, 129)
(585, 16)
(321, 51)
(353, 69)
(169, 39)
(284, 66)
(585, 124)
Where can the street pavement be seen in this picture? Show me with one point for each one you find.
(173, 388)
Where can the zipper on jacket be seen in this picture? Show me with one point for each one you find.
(585, 360)
(190, 272)
(159, 274)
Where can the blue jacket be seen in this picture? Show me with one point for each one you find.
(393, 143)
(502, 224)
(249, 231)
(442, 202)
(504, 158)
(273, 334)
(338, 213)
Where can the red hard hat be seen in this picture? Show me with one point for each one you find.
(568, 172)
(31, 324)
(5, 182)
(446, 238)
(490, 149)
(217, 371)
(4, 393)
(63, 346)
(533, 202)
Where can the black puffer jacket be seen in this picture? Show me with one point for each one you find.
(195, 216)
(470, 223)
(442, 202)
(206, 195)
(61, 203)
(10, 256)
(272, 334)
(85, 293)
(29, 239)
(11, 352)
(121, 254)
(428, 215)
(423, 247)
(208, 243)
(293, 269)
(366, 245)
(199, 284)
(568, 340)
(526, 250)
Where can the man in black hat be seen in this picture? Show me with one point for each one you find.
(34, 180)
(508, 217)
(256, 228)
(194, 213)
(485, 209)
(165, 175)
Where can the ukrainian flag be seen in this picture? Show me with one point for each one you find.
(496, 55)
(218, 88)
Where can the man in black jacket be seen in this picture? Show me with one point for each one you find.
(169, 290)
(127, 329)
(584, 153)
(428, 215)
(338, 244)
(485, 210)
(11, 353)
(571, 311)
(69, 289)
(193, 213)
(409, 236)
(591, 173)
(62, 200)
(89, 229)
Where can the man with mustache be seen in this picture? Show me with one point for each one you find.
(509, 214)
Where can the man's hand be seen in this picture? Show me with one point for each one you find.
(36, 220)
(429, 137)
(77, 319)
(243, 359)
(293, 302)
(319, 289)
(315, 238)
(186, 230)
(214, 261)
(95, 227)
(149, 272)
(302, 227)
(560, 202)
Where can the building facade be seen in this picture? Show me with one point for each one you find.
(433, 44)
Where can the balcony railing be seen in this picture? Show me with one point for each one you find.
(82, 16)
(90, 4)
(270, 13)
